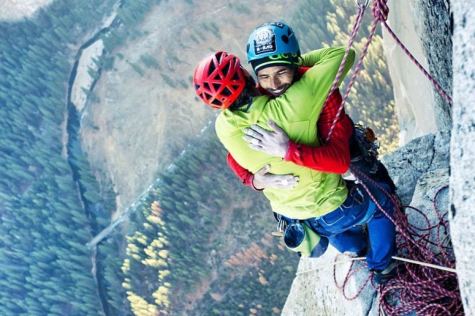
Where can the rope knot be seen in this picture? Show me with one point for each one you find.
(380, 10)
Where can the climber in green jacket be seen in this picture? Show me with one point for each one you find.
(222, 83)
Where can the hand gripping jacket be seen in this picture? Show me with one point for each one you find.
(219, 79)
(272, 44)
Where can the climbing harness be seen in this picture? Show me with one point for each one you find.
(281, 226)
(364, 141)
(299, 237)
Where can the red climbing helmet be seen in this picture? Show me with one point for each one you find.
(219, 79)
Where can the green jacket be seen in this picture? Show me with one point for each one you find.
(296, 112)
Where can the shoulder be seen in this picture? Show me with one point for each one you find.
(224, 123)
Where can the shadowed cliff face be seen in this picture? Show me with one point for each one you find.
(413, 93)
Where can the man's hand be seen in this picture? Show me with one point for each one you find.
(274, 142)
(265, 180)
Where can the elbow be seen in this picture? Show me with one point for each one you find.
(352, 53)
(351, 56)
(344, 163)
(343, 168)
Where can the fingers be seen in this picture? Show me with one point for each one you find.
(253, 132)
(253, 142)
(275, 181)
(274, 126)
(263, 170)
(259, 130)
(286, 181)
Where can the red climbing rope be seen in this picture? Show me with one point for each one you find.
(380, 11)
(356, 27)
(420, 289)
(437, 86)
(344, 285)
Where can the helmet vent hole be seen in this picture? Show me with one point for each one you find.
(285, 39)
(211, 69)
(236, 76)
(207, 87)
(226, 68)
(216, 86)
(226, 92)
(216, 102)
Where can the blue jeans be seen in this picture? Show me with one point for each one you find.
(344, 226)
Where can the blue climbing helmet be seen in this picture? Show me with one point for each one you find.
(272, 44)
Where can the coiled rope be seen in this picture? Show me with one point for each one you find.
(426, 280)
(428, 289)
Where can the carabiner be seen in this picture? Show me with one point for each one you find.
(281, 226)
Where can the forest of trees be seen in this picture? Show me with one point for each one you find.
(50, 202)
(45, 267)
(190, 232)
(199, 242)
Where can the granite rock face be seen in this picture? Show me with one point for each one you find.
(409, 163)
(462, 150)
(436, 33)
(314, 291)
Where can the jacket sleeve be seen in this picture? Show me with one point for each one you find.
(245, 175)
(329, 58)
(320, 77)
(334, 156)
